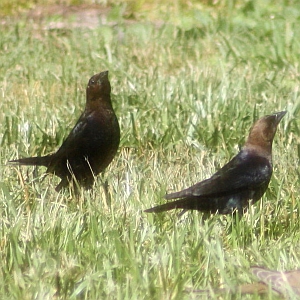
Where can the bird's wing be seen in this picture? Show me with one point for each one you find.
(240, 173)
(75, 138)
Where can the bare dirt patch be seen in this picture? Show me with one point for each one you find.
(62, 16)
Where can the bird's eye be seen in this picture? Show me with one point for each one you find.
(92, 81)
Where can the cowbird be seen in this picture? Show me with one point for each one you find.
(247, 288)
(91, 144)
(285, 283)
(244, 178)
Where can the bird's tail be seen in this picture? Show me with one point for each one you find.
(183, 193)
(33, 161)
(182, 203)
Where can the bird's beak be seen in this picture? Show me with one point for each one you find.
(104, 74)
(279, 116)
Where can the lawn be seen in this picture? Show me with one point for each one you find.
(188, 81)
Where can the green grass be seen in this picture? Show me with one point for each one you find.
(186, 94)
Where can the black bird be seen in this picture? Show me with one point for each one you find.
(246, 177)
(92, 143)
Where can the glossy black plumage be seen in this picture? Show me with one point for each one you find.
(246, 177)
(92, 143)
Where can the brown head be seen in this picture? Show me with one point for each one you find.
(98, 88)
(262, 133)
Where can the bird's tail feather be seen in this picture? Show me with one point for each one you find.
(181, 194)
(32, 161)
(182, 203)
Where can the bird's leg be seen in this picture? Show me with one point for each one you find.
(104, 183)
